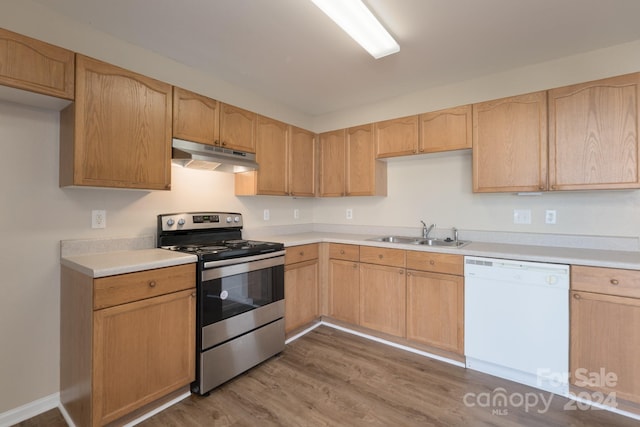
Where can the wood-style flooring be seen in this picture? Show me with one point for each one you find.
(331, 378)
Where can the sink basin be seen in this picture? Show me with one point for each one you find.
(395, 239)
(442, 243)
(446, 243)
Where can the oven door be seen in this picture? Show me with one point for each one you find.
(234, 288)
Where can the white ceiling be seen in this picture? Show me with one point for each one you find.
(290, 52)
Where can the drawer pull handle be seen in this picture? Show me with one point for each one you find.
(301, 253)
(614, 281)
(432, 262)
(152, 284)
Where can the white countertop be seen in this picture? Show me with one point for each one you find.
(128, 261)
(591, 257)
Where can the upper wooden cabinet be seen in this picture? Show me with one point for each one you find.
(36, 66)
(195, 117)
(446, 130)
(332, 163)
(118, 131)
(237, 128)
(365, 176)
(302, 163)
(593, 134)
(348, 166)
(286, 156)
(397, 137)
(510, 144)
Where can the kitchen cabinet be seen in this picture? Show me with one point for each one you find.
(237, 128)
(435, 300)
(332, 163)
(605, 339)
(383, 290)
(272, 138)
(36, 66)
(397, 137)
(593, 135)
(302, 163)
(446, 130)
(126, 340)
(510, 144)
(118, 131)
(195, 117)
(348, 166)
(301, 292)
(344, 283)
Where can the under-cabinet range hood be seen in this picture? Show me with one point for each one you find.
(208, 157)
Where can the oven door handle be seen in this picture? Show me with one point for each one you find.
(217, 269)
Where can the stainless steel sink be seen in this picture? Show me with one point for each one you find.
(446, 243)
(396, 239)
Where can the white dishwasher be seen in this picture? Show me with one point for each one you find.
(516, 321)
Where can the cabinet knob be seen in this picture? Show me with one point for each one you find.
(355, 265)
(193, 294)
(576, 296)
(614, 281)
(400, 271)
(432, 262)
(341, 251)
(380, 256)
(301, 253)
(224, 144)
(216, 142)
(152, 284)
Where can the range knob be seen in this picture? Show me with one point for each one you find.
(170, 222)
(181, 221)
(229, 219)
(236, 219)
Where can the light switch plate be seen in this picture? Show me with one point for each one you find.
(349, 214)
(522, 216)
(266, 215)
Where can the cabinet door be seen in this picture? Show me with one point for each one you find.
(271, 154)
(593, 134)
(332, 163)
(344, 291)
(510, 144)
(300, 294)
(397, 137)
(446, 130)
(195, 117)
(435, 313)
(605, 336)
(366, 176)
(142, 351)
(237, 128)
(35, 66)
(302, 163)
(118, 132)
(383, 299)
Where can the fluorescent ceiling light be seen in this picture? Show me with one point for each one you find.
(358, 21)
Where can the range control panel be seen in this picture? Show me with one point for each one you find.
(199, 220)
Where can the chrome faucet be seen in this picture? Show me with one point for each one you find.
(426, 229)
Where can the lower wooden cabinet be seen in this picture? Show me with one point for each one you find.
(344, 290)
(125, 340)
(383, 298)
(435, 310)
(301, 286)
(605, 336)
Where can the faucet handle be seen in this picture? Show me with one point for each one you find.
(455, 233)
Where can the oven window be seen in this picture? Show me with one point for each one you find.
(232, 295)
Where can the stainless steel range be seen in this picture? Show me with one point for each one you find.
(240, 288)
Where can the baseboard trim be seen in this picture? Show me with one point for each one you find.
(29, 410)
(158, 409)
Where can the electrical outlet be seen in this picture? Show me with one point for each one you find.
(550, 216)
(296, 214)
(98, 219)
(266, 216)
(522, 216)
(349, 214)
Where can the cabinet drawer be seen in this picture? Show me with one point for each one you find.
(382, 256)
(301, 253)
(610, 281)
(124, 288)
(439, 263)
(346, 252)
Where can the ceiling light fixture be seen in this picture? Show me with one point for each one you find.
(358, 21)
